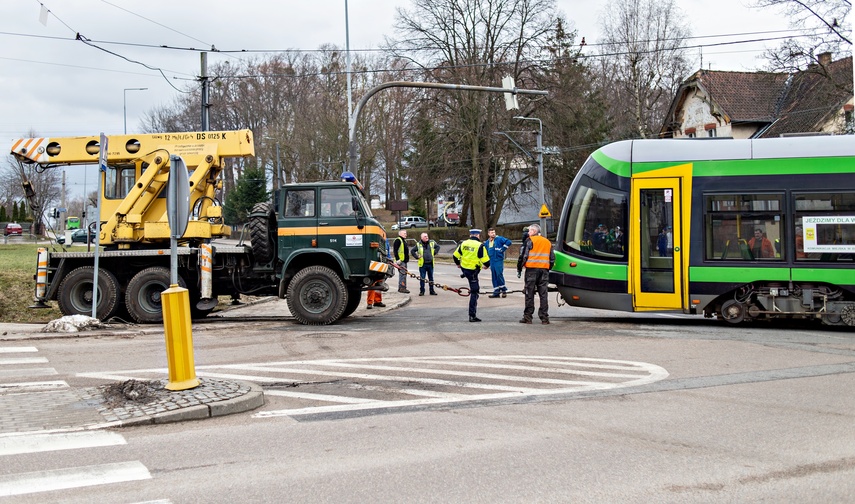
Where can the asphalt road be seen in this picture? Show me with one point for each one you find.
(416, 404)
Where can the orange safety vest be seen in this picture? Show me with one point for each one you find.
(538, 255)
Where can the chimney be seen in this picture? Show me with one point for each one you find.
(824, 59)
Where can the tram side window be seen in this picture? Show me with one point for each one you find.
(824, 227)
(596, 224)
(744, 227)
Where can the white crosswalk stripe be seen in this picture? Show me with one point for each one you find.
(74, 477)
(14, 446)
(299, 388)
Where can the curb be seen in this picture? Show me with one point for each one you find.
(212, 398)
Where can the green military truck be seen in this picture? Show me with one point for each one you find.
(322, 247)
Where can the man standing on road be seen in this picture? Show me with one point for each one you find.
(538, 258)
(425, 250)
(470, 256)
(402, 256)
(496, 247)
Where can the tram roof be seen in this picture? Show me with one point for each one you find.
(665, 150)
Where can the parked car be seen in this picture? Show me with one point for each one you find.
(78, 236)
(411, 222)
(13, 228)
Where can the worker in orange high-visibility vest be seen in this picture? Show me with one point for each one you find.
(538, 258)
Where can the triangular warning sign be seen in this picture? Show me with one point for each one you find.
(544, 212)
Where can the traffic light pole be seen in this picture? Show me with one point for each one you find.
(352, 154)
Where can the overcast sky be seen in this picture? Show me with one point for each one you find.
(56, 86)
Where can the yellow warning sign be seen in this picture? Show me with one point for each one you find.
(544, 212)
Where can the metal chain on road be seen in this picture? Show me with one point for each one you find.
(462, 291)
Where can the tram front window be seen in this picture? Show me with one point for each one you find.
(596, 223)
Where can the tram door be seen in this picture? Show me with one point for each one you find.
(656, 253)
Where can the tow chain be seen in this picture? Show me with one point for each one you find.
(462, 291)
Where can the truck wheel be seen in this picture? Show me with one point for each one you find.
(142, 298)
(317, 296)
(75, 293)
(354, 297)
(261, 223)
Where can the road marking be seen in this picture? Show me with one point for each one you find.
(319, 397)
(623, 374)
(22, 360)
(76, 477)
(411, 382)
(36, 443)
(18, 349)
(4, 373)
(405, 379)
(32, 386)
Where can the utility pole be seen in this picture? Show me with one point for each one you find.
(539, 134)
(206, 123)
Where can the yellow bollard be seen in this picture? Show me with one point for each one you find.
(178, 330)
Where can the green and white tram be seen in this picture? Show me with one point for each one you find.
(738, 229)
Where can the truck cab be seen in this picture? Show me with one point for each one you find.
(324, 246)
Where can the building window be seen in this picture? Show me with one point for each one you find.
(690, 132)
(710, 128)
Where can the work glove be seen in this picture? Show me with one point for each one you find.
(519, 274)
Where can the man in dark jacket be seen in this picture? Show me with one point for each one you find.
(401, 254)
(425, 250)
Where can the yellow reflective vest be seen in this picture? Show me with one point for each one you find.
(471, 254)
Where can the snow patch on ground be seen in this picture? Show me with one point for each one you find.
(72, 324)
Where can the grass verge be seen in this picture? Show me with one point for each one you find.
(17, 286)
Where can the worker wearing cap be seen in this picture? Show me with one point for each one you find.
(470, 256)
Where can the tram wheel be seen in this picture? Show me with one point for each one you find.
(847, 314)
(733, 311)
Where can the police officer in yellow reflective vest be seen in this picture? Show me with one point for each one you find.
(470, 256)
(538, 258)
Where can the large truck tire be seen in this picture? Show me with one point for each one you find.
(142, 298)
(75, 293)
(354, 297)
(317, 296)
(261, 224)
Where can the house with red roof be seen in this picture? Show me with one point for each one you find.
(711, 103)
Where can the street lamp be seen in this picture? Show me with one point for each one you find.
(539, 134)
(125, 103)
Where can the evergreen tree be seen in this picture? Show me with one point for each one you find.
(15, 216)
(251, 188)
(3, 215)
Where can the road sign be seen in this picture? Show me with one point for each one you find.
(510, 97)
(544, 212)
(178, 197)
(102, 153)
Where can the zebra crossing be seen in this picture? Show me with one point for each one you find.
(343, 387)
(23, 432)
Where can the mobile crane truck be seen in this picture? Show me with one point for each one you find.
(316, 244)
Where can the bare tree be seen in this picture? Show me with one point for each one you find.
(824, 29)
(46, 185)
(643, 59)
(473, 42)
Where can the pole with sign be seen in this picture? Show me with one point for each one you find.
(175, 301)
(102, 171)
